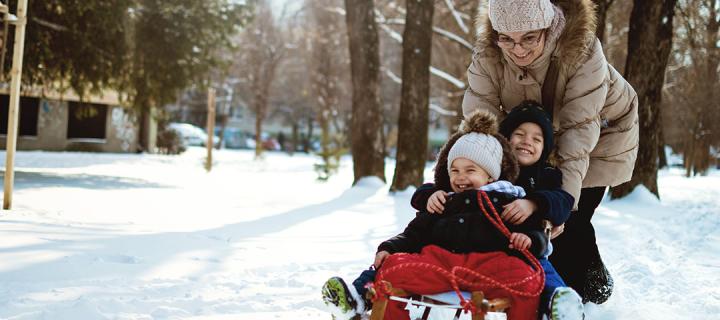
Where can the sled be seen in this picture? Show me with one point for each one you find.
(442, 306)
(484, 284)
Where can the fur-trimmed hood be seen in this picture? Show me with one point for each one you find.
(575, 40)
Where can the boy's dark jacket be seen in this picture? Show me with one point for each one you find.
(464, 228)
(542, 183)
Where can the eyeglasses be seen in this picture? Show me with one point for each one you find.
(530, 41)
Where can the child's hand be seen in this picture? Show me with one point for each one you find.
(379, 258)
(519, 241)
(436, 202)
(517, 211)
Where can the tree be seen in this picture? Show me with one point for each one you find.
(649, 44)
(453, 56)
(328, 60)
(176, 43)
(415, 94)
(601, 10)
(366, 124)
(263, 49)
(693, 90)
(615, 42)
(147, 50)
(75, 44)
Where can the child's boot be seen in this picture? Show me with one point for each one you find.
(336, 293)
(566, 304)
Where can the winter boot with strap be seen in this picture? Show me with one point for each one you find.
(336, 294)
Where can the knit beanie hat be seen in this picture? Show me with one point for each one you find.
(520, 15)
(530, 111)
(480, 146)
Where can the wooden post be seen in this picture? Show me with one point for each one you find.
(210, 128)
(13, 108)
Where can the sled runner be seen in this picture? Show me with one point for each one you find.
(443, 306)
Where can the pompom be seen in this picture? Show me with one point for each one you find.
(481, 121)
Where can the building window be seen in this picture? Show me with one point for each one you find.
(86, 120)
(28, 115)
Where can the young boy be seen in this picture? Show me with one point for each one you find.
(472, 159)
(530, 133)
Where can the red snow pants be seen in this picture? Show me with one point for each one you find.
(436, 270)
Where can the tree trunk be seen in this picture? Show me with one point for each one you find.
(415, 95)
(223, 124)
(662, 158)
(453, 122)
(366, 125)
(307, 142)
(649, 44)
(258, 137)
(294, 138)
(601, 8)
(260, 107)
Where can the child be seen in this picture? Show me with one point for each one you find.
(530, 133)
(472, 159)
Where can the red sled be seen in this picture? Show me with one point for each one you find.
(414, 286)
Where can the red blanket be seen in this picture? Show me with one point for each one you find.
(436, 270)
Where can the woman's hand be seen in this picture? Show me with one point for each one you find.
(436, 202)
(519, 241)
(379, 258)
(556, 231)
(518, 211)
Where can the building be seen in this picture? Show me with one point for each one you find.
(55, 121)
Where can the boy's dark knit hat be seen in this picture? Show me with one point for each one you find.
(530, 111)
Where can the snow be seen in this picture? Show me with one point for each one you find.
(457, 17)
(454, 37)
(383, 23)
(136, 236)
(444, 75)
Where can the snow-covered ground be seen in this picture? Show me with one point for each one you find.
(108, 236)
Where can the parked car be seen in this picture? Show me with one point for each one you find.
(234, 138)
(192, 135)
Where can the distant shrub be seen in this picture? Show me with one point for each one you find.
(169, 142)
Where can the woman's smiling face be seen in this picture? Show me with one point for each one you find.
(523, 47)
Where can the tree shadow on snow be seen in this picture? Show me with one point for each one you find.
(134, 256)
(31, 180)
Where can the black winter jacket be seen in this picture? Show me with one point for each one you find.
(542, 184)
(463, 228)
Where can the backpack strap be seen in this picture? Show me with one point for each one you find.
(548, 88)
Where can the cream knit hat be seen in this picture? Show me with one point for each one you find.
(520, 15)
(482, 149)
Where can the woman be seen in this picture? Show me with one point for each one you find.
(548, 52)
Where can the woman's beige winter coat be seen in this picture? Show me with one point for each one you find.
(595, 114)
